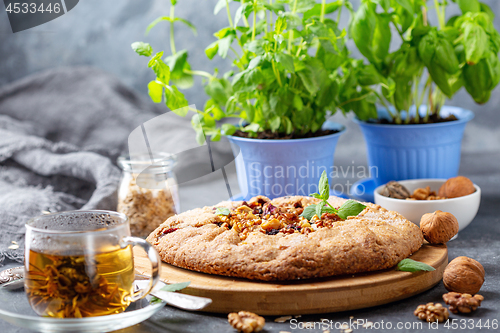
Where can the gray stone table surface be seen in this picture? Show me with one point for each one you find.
(481, 240)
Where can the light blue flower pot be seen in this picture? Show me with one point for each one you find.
(276, 168)
(397, 152)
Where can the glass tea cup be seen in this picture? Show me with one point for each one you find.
(80, 264)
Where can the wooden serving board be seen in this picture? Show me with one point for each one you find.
(311, 296)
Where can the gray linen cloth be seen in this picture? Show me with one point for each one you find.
(60, 134)
(37, 176)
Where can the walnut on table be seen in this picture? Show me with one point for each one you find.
(431, 312)
(246, 322)
(462, 303)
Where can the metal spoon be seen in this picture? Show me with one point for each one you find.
(13, 278)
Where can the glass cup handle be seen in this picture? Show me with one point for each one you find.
(155, 260)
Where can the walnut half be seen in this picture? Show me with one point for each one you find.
(246, 322)
(463, 303)
(431, 312)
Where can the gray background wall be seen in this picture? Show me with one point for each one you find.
(99, 33)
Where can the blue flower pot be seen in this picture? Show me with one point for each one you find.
(397, 152)
(276, 168)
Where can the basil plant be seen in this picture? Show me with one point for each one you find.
(289, 64)
(433, 61)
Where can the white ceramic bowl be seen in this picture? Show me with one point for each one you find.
(464, 208)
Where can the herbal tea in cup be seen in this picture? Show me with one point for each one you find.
(80, 264)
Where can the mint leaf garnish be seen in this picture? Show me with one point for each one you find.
(319, 210)
(309, 212)
(222, 211)
(350, 208)
(324, 187)
(410, 265)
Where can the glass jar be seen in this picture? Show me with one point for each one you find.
(148, 192)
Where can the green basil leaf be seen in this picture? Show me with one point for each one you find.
(228, 129)
(469, 6)
(316, 10)
(410, 265)
(222, 211)
(274, 124)
(486, 9)
(475, 42)
(288, 125)
(441, 78)
(155, 91)
(252, 128)
(309, 212)
(368, 75)
(445, 56)
(142, 48)
(427, 47)
(385, 4)
(323, 187)
(382, 37)
(319, 209)
(297, 102)
(362, 27)
(350, 208)
(478, 81)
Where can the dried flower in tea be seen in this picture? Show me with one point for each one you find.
(80, 285)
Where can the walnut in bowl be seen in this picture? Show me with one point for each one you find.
(464, 208)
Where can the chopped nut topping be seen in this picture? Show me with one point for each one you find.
(431, 312)
(462, 303)
(261, 215)
(246, 322)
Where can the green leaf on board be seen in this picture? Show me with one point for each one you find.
(410, 265)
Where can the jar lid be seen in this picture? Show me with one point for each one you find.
(156, 163)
